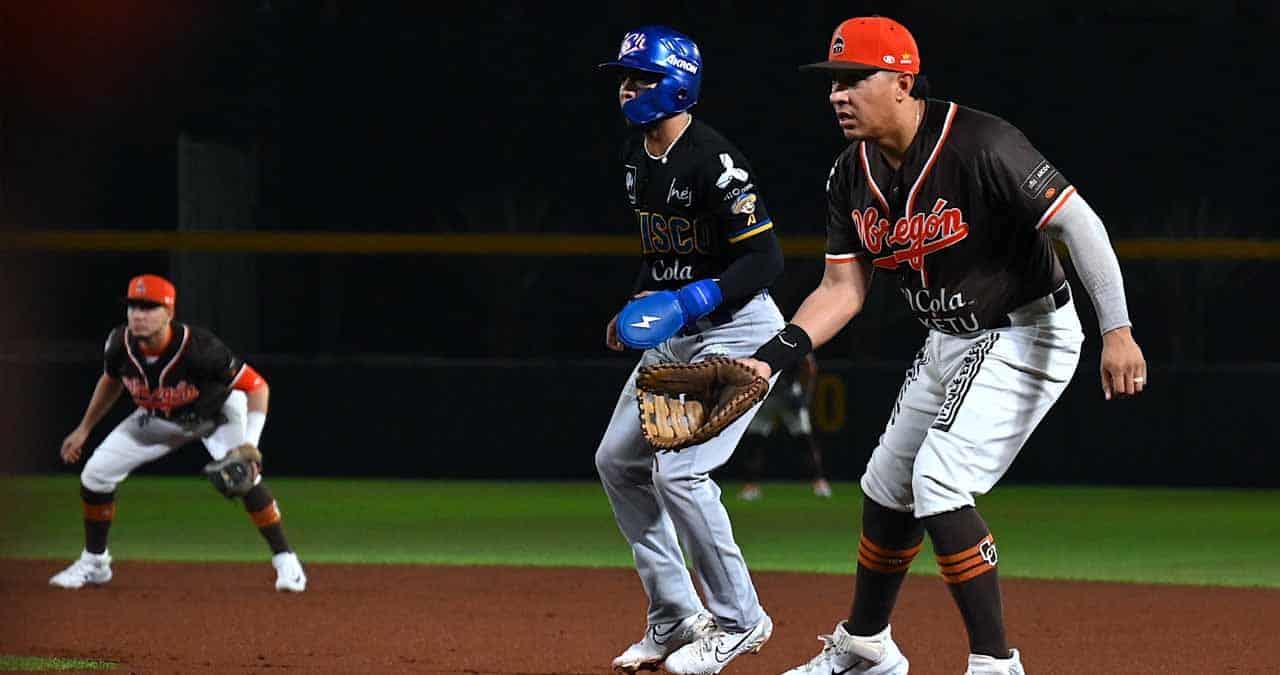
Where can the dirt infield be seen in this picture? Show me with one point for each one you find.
(225, 618)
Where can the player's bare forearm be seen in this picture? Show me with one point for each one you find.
(823, 314)
(105, 395)
(835, 301)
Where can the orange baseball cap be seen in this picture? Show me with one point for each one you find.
(152, 288)
(871, 43)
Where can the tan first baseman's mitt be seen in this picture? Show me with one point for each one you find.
(684, 404)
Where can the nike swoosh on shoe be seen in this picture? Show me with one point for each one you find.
(855, 664)
(725, 656)
(662, 638)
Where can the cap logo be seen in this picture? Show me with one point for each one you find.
(906, 59)
(631, 43)
(837, 46)
(888, 58)
(142, 287)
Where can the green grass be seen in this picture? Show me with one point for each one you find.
(28, 664)
(1216, 537)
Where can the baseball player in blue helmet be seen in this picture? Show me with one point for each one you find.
(675, 62)
(708, 255)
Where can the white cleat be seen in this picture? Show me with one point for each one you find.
(660, 640)
(289, 574)
(845, 654)
(750, 493)
(712, 653)
(980, 664)
(821, 488)
(89, 568)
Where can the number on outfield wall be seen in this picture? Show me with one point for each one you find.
(829, 403)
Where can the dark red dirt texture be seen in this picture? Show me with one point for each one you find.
(226, 618)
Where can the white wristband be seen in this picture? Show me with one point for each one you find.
(254, 422)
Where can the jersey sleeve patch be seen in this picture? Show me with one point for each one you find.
(732, 197)
(1038, 180)
(1020, 179)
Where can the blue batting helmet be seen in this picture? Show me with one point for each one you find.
(661, 51)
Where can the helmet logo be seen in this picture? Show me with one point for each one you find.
(631, 43)
(837, 46)
(686, 66)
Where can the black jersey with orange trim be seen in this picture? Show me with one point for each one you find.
(958, 223)
(187, 382)
(697, 209)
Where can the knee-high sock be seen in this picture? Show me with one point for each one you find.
(967, 559)
(890, 541)
(99, 511)
(265, 513)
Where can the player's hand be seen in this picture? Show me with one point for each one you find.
(611, 335)
(762, 369)
(73, 444)
(1124, 370)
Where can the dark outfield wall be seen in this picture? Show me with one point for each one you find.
(426, 366)
(1185, 313)
(517, 419)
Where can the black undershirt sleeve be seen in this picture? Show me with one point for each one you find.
(756, 266)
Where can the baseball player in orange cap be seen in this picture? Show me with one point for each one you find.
(962, 212)
(187, 386)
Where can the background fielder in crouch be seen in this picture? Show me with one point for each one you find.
(707, 240)
(960, 209)
(787, 407)
(187, 386)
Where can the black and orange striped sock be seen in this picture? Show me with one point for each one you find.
(967, 559)
(265, 514)
(99, 511)
(890, 541)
